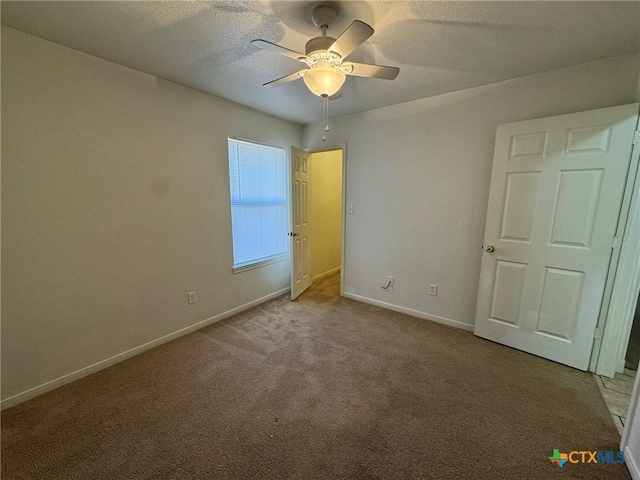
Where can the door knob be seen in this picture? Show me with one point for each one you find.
(490, 249)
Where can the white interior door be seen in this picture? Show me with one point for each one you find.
(300, 185)
(555, 195)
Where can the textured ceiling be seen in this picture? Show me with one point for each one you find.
(439, 46)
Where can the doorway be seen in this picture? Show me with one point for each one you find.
(632, 358)
(326, 214)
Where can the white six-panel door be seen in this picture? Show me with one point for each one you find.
(300, 184)
(554, 201)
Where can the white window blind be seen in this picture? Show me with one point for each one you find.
(258, 203)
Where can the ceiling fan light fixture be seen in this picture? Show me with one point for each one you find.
(324, 79)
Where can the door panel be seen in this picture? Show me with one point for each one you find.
(533, 145)
(588, 139)
(300, 181)
(576, 203)
(519, 206)
(554, 201)
(507, 292)
(561, 292)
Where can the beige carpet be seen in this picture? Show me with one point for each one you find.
(323, 388)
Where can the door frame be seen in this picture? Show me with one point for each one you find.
(343, 148)
(623, 281)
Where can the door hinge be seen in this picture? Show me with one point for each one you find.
(636, 137)
(597, 334)
(617, 241)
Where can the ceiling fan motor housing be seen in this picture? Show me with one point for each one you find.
(318, 44)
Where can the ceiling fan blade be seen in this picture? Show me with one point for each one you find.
(287, 78)
(355, 35)
(272, 47)
(368, 70)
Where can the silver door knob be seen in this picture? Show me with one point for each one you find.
(490, 249)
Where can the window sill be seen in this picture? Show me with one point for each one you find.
(262, 263)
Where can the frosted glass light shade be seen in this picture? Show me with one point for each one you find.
(324, 80)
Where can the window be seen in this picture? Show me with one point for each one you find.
(259, 213)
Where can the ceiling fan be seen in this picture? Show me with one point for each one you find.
(325, 56)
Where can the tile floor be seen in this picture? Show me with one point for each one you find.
(617, 394)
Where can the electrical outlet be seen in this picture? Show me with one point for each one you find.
(390, 281)
(191, 298)
(433, 290)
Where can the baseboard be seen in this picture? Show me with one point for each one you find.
(96, 367)
(409, 311)
(320, 276)
(631, 464)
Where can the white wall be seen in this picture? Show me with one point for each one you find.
(115, 204)
(326, 211)
(418, 174)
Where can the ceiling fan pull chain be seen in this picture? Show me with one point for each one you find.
(325, 115)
